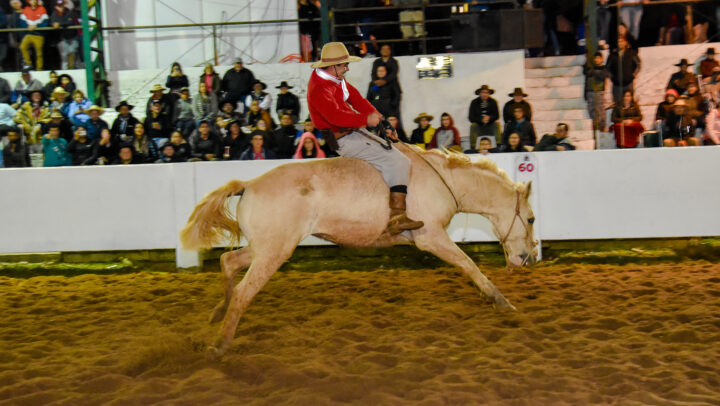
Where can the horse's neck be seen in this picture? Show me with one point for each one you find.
(483, 191)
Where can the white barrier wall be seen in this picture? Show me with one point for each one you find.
(578, 195)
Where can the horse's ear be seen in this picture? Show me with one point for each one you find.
(528, 186)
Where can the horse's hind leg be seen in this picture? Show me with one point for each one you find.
(438, 242)
(230, 263)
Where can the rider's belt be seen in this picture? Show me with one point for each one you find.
(343, 132)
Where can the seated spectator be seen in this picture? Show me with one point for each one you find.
(95, 124)
(697, 107)
(627, 117)
(67, 83)
(287, 103)
(5, 91)
(679, 128)
(77, 108)
(176, 80)
(66, 127)
(518, 100)
(143, 147)
(556, 142)
(205, 145)
(55, 148)
(513, 143)
(211, 80)
(7, 116)
(424, 135)
(308, 147)
(309, 126)
(106, 149)
(15, 153)
(483, 115)
(680, 80)
(167, 101)
(256, 150)
(596, 76)
(522, 127)
(168, 156)
(32, 115)
(82, 149)
(127, 156)
(124, 124)
(50, 86)
(666, 106)
(256, 114)
(258, 94)
(34, 16)
(262, 128)
(712, 128)
(182, 148)
(205, 105)
(447, 136)
(59, 101)
(284, 138)
(235, 142)
(184, 119)
(485, 146)
(395, 122)
(62, 17)
(386, 97)
(157, 124)
(227, 114)
(26, 84)
(708, 64)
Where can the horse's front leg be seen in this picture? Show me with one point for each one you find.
(230, 263)
(435, 240)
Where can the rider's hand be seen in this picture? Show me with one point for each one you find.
(373, 119)
(391, 134)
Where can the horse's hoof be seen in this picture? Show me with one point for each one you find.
(218, 314)
(213, 354)
(502, 304)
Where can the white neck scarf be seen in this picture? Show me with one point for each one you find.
(327, 76)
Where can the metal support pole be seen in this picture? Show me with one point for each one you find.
(325, 26)
(215, 54)
(87, 56)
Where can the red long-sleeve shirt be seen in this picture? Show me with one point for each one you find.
(329, 110)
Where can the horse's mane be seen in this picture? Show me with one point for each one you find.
(460, 160)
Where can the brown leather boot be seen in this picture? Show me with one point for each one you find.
(399, 220)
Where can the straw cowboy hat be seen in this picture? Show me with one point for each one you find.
(95, 107)
(284, 83)
(518, 92)
(60, 90)
(124, 103)
(56, 114)
(423, 115)
(157, 88)
(484, 87)
(334, 53)
(682, 62)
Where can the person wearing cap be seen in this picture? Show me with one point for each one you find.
(95, 124)
(176, 80)
(33, 16)
(22, 86)
(32, 115)
(82, 149)
(595, 77)
(623, 65)
(708, 64)
(61, 18)
(237, 82)
(167, 101)
(124, 124)
(339, 109)
(184, 119)
(287, 103)
(483, 115)
(679, 80)
(263, 98)
(518, 100)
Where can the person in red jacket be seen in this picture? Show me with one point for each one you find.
(338, 108)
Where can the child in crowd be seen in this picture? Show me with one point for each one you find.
(308, 147)
(447, 136)
(182, 148)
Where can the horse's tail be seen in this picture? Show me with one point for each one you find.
(211, 220)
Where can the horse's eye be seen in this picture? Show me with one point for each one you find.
(531, 220)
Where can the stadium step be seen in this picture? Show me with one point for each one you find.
(557, 104)
(560, 115)
(554, 61)
(532, 83)
(556, 92)
(553, 72)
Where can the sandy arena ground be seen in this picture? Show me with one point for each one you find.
(584, 335)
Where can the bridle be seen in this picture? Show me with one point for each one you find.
(507, 234)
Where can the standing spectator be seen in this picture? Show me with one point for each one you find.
(205, 105)
(95, 124)
(167, 101)
(59, 101)
(631, 13)
(182, 148)
(518, 100)
(211, 80)
(124, 125)
(157, 124)
(392, 68)
(595, 77)
(521, 126)
(66, 126)
(256, 150)
(55, 148)
(309, 30)
(708, 64)
(679, 80)
(287, 103)
(5, 91)
(235, 142)
(308, 147)
(34, 16)
(77, 110)
(627, 117)
(205, 145)
(177, 80)
(483, 115)
(106, 148)
(284, 138)
(184, 119)
(16, 37)
(7, 116)
(447, 136)
(127, 156)
(424, 135)
(556, 142)
(82, 149)
(144, 148)
(61, 18)
(237, 82)
(258, 94)
(32, 115)
(15, 153)
(397, 125)
(386, 96)
(623, 65)
(26, 84)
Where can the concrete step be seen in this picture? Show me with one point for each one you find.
(560, 115)
(584, 145)
(554, 61)
(574, 125)
(553, 72)
(532, 83)
(556, 92)
(557, 104)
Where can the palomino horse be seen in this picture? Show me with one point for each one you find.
(345, 201)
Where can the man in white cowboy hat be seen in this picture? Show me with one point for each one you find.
(338, 108)
(166, 99)
(95, 125)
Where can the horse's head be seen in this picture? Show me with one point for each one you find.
(514, 228)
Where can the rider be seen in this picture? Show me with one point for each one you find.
(337, 106)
